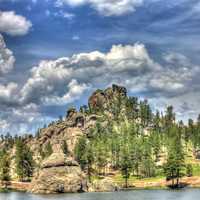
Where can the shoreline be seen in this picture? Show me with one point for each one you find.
(189, 182)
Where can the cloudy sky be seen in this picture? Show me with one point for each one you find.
(54, 53)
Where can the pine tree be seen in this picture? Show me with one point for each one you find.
(24, 161)
(189, 170)
(175, 166)
(125, 167)
(4, 166)
(89, 160)
(80, 152)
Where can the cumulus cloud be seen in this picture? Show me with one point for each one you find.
(64, 80)
(8, 93)
(7, 59)
(129, 65)
(13, 24)
(51, 82)
(105, 7)
(21, 120)
(75, 90)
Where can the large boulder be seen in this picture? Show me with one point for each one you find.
(103, 185)
(59, 175)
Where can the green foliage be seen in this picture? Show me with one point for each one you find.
(47, 150)
(189, 170)
(127, 137)
(4, 166)
(24, 161)
(64, 147)
(84, 154)
(175, 166)
(125, 166)
(80, 151)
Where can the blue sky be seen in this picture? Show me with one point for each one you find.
(54, 53)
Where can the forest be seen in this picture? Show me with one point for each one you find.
(128, 138)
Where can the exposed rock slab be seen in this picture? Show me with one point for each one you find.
(103, 185)
(59, 175)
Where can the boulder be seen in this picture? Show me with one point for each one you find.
(59, 175)
(58, 160)
(103, 185)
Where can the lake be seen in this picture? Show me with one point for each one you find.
(186, 194)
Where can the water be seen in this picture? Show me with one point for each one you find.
(187, 194)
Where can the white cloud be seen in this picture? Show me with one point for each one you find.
(177, 58)
(46, 79)
(14, 24)
(129, 65)
(4, 125)
(105, 7)
(75, 90)
(64, 80)
(7, 59)
(68, 15)
(21, 120)
(8, 94)
(51, 81)
(64, 14)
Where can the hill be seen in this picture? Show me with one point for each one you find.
(113, 142)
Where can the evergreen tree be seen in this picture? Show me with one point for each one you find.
(175, 166)
(89, 160)
(189, 170)
(80, 151)
(24, 161)
(125, 167)
(4, 166)
(169, 117)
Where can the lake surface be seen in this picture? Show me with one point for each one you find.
(186, 194)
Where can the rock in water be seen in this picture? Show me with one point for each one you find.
(59, 175)
(103, 185)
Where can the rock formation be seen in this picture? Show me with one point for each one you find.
(102, 99)
(103, 185)
(59, 175)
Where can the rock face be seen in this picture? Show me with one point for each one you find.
(59, 175)
(102, 99)
(103, 185)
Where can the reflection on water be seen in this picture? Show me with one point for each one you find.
(187, 194)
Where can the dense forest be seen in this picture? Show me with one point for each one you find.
(135, 139)
(128, 138)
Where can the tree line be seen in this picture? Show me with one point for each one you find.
(127, 137)
(133, 140)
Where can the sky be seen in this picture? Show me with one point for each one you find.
(55, 53)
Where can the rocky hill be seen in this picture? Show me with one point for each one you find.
(59, 173)
(117, 130)
(77, 123)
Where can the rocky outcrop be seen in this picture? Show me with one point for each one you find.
(59, 175)
(103, 185)
(102, 99)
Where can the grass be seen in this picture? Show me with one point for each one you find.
(3, 190)
(119, 179)
(196, 169)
